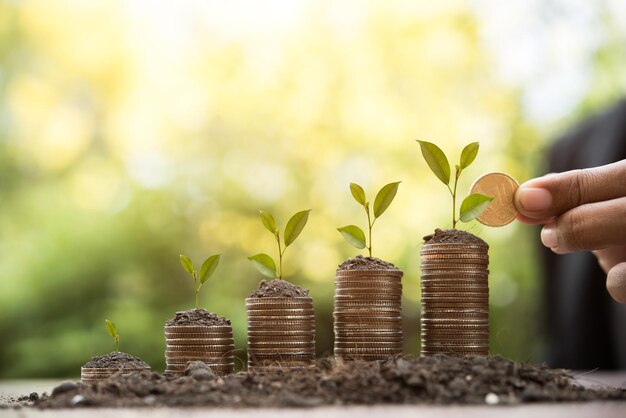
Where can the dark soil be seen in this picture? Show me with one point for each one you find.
(453, 236)
(278, 287)
(400, 380)
(197, 317)
(366, 263)
(115, 360)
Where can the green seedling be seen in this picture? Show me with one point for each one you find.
(355, 235)
(474, 204)
(263, 262)
(207, 269)
(112, 330)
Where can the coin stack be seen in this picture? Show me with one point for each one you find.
(211, 344)
(455, 299)
(368, 314)
(95, 374)
(281, 332)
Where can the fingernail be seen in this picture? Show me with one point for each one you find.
(548, 236)
(533, 199)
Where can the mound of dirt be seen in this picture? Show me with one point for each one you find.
(277, 288)
(116, 360)
(453, 236)
(366, 263)
(197, 317)
(399, 380)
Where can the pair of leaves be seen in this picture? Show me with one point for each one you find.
(352, 233)
(208, 266)
(438, 162)
(294, 227)
(111, 328)
(263, 262)
(383, 199)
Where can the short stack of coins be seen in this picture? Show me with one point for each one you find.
(455, 299)
(368, 314)
(211, 344)
(281, 332)
(90, 375)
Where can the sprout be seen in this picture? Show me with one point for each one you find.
(207, 269)
(263, 262)
(112, 330)
(355, 235)
(474, 204)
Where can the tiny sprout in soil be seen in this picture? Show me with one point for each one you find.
(355, 235)
(263, 262)
(112, 330)
(207, 269)
(474, 204)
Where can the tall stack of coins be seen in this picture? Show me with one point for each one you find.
(455, 297)
(281, 332)
(211, 344)
(368, 314)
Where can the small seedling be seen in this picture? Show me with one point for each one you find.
(207, 269)
(355, 235)
(474, 204)
(112, 330)
(263, 262)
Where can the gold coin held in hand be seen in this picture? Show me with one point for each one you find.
(501, 187)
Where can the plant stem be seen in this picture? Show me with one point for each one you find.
(117, 343)
(456, 180)
(453, 205)
(195, 286)
(280, 257)
(369, 225)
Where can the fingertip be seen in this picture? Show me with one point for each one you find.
(616, 283)
(549, 237)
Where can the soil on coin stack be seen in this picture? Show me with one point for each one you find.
(453, 236)
(366, 263)
(116, 360)
(197, 317)
(399, 380)
(278, 288)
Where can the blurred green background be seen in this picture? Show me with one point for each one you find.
(133, 131)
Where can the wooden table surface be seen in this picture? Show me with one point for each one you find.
(569, 410)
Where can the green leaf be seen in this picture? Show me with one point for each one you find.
(268, 221)
(186, 263)
(358, 193)
(295, 226)
(354, 235)
(436, 160)
(384, 198)
(265, 264)
(473, 205)
(468, 155)
(208, 267)
(111, 328)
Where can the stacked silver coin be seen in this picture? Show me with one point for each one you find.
(96, 374)
(455, 299)
(368, 314)
(281, 332)
(211, 344)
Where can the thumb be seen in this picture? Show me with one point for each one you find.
(545, 197)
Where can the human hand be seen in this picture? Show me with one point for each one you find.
(582, 210)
